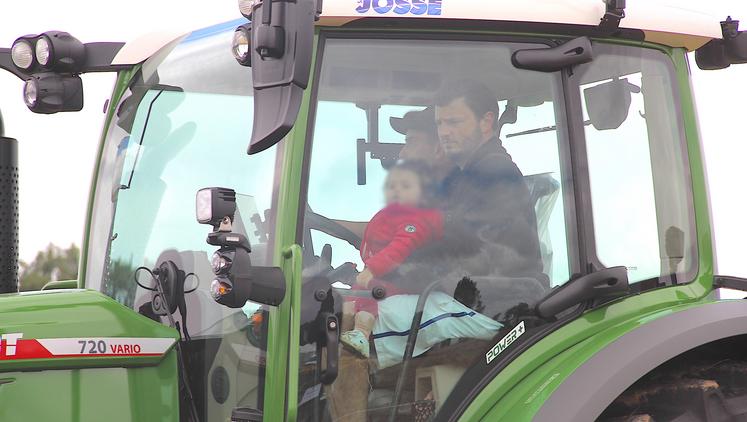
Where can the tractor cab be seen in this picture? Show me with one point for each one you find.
(399, 205)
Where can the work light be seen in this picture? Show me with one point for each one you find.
(22, 53)
(29, 93)
(241, 46)
(60, 51)
(215, 204)
(222, 261)
(43, 51)
(48, 93)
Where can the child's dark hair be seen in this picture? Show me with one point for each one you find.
(427, 182)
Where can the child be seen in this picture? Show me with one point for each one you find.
(404, 225)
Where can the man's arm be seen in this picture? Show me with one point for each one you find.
(357, 227)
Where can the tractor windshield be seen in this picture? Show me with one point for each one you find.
(180, 126)
(449, 192)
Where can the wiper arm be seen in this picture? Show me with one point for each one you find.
(540, 130)
(142, 138)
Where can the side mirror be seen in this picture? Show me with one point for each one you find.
(712, 56)
(736, 48)
(720, 54)
(282, 40)
(608, 103)
(574, 52)
(603, 284)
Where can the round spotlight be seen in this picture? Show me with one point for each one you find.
(43, 51)
(220, 287)
(30, 93)
(221, 262)
(241, 45)
(22, 54)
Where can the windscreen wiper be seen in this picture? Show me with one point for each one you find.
(540, 130)
(161, 88)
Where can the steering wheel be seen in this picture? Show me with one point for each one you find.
(319, 222)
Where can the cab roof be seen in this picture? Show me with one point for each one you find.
(663, 24)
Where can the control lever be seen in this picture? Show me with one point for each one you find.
(331, 342)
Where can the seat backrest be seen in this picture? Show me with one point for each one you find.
(543, 192)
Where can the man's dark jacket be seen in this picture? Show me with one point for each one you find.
(490, 227)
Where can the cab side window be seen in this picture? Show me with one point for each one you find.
(637, 169)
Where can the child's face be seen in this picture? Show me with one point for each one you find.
(402, 187)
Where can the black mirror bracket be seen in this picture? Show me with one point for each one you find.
(572, 53)
(614, 13)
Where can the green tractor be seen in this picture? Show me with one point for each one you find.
(386, 211)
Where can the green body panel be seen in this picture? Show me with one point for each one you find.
(524, 399)
(592, 332)
(61, 284)
(284, 330)
(75, 313)
(95, 394)
(88, 388)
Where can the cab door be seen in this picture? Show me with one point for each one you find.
(365, 89)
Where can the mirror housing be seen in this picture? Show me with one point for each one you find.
(574, 52)
(721, 53)
(282, 43)
(603, 284)
(608, 103)
(712, 56)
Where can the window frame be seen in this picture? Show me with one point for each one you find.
(584, 199)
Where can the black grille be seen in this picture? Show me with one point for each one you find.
(8, 215)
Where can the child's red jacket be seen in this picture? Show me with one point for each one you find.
(395, 232)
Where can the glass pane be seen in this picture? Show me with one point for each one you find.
(415, 201)
(177, 131)
(636, 164)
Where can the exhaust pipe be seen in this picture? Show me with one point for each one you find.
(8, 213)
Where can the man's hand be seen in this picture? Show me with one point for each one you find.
(364, 277)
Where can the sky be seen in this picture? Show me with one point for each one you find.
(57, 152)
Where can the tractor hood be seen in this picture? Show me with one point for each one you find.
(76, 328)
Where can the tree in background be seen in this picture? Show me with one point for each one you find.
(51, 264)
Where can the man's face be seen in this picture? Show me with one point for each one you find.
(420, 145)
(459, 129)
